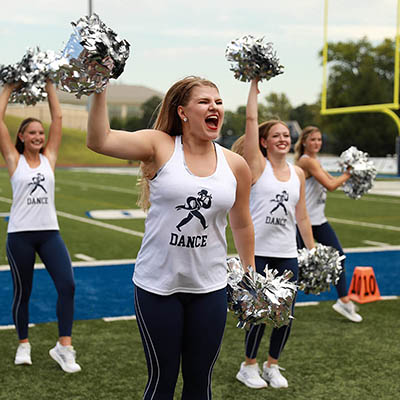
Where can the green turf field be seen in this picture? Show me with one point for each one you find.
(327, 357)
(79, 192)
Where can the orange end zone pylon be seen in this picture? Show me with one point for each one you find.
(363, 286)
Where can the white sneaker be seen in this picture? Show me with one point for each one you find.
(274, 377)
(65, 356)
(23, 355)
(250, 376)
(348, 310)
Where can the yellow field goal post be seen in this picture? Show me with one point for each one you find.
(385, 108)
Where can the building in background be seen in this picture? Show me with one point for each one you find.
(123, 101)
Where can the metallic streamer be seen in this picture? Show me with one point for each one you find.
(95, 54)
(252, 58)
(362, 169)
(257, 299)
(32, 72)
(319, 268)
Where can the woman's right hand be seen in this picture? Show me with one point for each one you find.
(13, 85)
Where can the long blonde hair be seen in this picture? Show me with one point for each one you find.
(299, 146)
(263, 131)
(169, 122)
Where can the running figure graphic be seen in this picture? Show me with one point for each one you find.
(194, 204)
(36, 181)
(280, 198)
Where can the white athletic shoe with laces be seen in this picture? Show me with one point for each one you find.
(348, 310)
(274, 377)
(65, 357)
(250, 376)
(23, 354)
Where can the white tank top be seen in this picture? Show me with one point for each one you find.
(33, 207)
(315, 200)
(184, 245)
(272, 207)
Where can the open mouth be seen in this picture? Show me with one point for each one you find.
(212, 122)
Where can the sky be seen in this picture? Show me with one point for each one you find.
(171, 39)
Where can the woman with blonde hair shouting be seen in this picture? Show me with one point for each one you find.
(180, 274)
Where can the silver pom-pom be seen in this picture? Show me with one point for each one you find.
(362, 170)
(95, 54)
(319, 268)
(32, 72)
(252, 58)
(257, 299)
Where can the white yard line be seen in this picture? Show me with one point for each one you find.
(97, 186)
(90, 221)
(122, 318)
(5, 200)
(306, 303)
(98, 223)
(370, 249)
(78, 264)
(8, 327)
(374, 243)
(374, 199)
(84, 257)
(366, 224)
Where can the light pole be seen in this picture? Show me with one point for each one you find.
(90, 7)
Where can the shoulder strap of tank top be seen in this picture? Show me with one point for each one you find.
(178, 150)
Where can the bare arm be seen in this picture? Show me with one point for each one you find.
(312, 167)
(239, 216)
(7, 148)
(55, 131)
(252, 153)
(302, 218)
(140, 145)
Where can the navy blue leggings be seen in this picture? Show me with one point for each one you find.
(21, 249)
(325, 235)
(180, 327)
(279, 336)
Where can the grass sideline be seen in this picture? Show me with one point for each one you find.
(73, 150)
(327, 357)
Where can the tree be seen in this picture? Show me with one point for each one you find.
(306, 114)
(360, 74)
(149, 109)
(233, 127)
(278, 106)
(145, 120)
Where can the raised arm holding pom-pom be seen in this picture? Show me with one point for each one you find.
(318, 182)
(180, 274)
(33, 226)
(277, 201)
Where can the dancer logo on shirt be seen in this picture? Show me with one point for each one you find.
(37, 184)
(322, 196)
(280, 200)
(193, 206)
